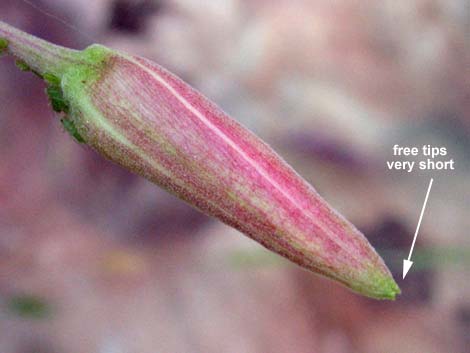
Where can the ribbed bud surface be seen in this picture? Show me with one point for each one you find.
(147, 120)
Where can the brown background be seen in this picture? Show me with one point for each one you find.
(94, 259)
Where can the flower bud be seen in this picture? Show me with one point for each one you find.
(150, 122)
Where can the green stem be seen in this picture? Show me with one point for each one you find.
(40, 55)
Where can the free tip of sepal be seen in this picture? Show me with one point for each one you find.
(378, 285)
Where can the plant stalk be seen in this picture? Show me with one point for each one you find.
(41, 56)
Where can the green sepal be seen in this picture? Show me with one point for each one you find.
(20, 64)
(55, 94)
(58, 103)
(23, 66)
(51, 79)
(3, 45)
(70, 127)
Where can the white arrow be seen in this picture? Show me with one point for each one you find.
(407, 263)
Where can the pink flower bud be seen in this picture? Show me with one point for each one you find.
(142, 117)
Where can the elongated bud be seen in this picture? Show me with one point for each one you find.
(142, 117)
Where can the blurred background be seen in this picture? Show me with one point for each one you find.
(95, 259)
